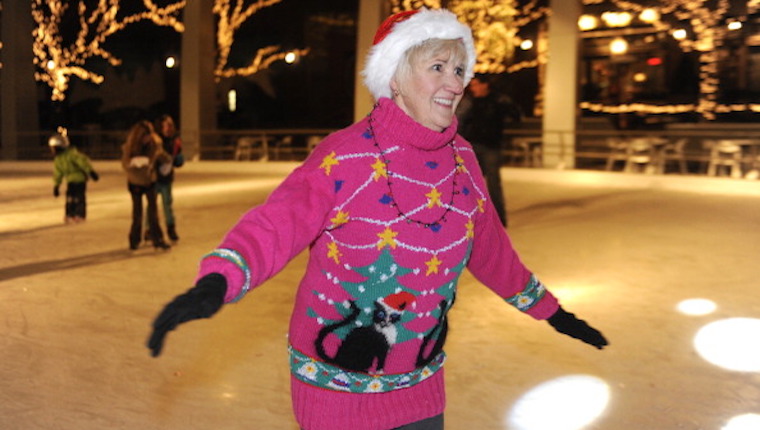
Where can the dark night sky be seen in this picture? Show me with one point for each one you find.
(317, 92)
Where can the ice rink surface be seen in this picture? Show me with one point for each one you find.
(665, 266)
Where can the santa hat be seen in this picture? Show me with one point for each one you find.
(398, 301)
(405, 30)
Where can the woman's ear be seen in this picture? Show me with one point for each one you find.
(394, 87)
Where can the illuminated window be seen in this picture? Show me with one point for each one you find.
(232, 100)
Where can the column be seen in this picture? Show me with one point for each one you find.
(371, 14)
(197, 86)
(561, 88)
(18, 92)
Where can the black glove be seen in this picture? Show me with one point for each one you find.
(201, 301)
(94, 175)
(56, 191)
(566, 323)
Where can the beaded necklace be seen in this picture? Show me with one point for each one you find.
(389, 175)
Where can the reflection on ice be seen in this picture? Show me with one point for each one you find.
(697, 307)
(569, 403)
(731, 343)
(743, 422)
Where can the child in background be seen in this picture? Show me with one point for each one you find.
(74, 167)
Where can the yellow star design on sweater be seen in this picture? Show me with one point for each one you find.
(340, 218)
(333, 252)
(432, 265)
(434, 198)
(470, 229)
(380, 169)
(388, 237)
(460, 164)
(481, 208)
(328, 162)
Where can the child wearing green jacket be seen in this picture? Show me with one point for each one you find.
(74, 167)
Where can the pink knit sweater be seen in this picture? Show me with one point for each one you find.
(392, 213)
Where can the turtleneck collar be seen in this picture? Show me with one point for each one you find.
(394, 127)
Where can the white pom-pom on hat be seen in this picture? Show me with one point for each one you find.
(405, 30)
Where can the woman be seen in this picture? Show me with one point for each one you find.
(172, 145)
(393, 209)
(141, 157)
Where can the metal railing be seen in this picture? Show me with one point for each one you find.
(589, 148)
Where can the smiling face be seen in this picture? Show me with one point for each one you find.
(429, 82)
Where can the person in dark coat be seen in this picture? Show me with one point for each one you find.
(172, 145)
(483, 114)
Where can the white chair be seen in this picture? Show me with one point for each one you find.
(312, 142)
(639, 155)
(673, 151)
(530, 148)
(725, 157)
(618, 151)
(247, 146)
(284, 145)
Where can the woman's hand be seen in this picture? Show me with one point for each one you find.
(201, 301)
(566, 323)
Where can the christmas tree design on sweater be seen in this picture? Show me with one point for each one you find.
(381, 314)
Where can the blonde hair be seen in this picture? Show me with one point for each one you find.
(133, 145)
(426, 50)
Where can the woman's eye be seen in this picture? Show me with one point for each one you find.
(459, 71)
(437, 67)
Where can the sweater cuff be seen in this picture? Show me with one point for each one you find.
(535, 300)
(230, 264)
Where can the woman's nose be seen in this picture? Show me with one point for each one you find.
(454, 83)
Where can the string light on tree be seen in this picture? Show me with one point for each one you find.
(495, 24)
(230, 17)
(493, 31)
(58, 61)
(402, 5)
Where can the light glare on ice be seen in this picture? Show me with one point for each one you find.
(570, 403)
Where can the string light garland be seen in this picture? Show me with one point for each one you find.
(705, 18)
(714, 108)
(57, 63)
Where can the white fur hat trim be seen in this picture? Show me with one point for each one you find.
(383, 58)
